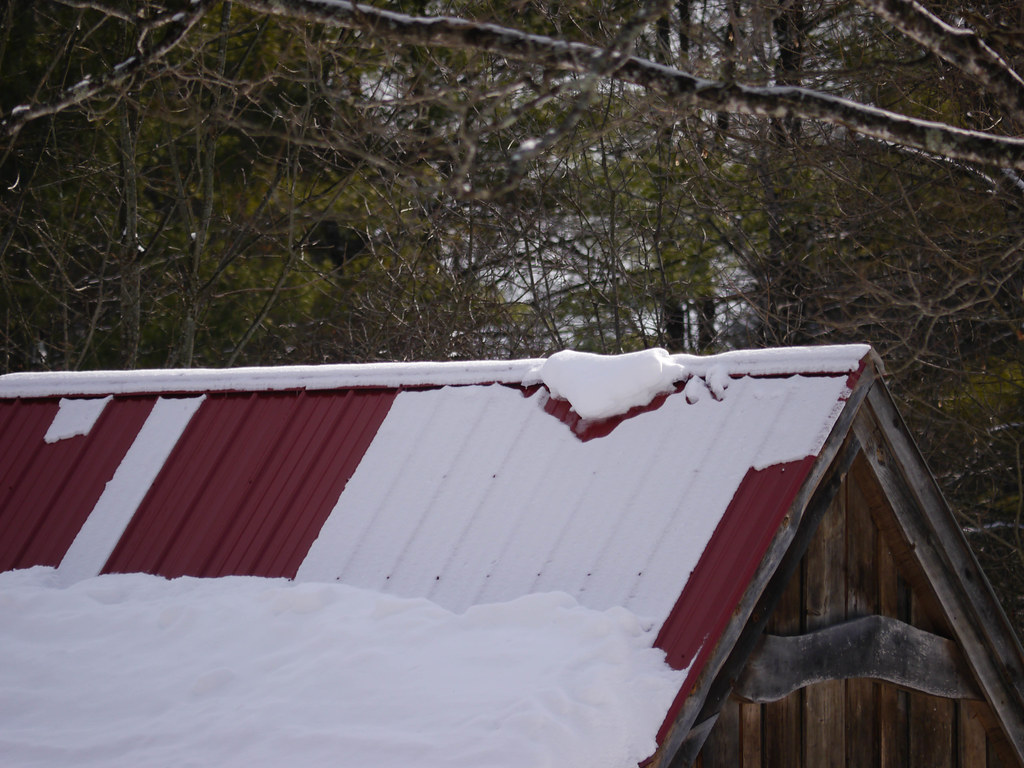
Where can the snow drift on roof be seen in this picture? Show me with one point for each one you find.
(129, 670)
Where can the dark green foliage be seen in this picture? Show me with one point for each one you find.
(277, 191)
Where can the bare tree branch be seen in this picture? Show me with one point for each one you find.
(107, 10)
(677, 87)
(962, 48)
(604, 65)
(178, 26)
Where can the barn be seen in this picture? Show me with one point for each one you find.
(767, 511)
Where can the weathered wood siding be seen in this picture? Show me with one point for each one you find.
(855, 566)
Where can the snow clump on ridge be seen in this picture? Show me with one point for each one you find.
(601, 386)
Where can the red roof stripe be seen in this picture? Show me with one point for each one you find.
(725, 569)
(289, 456)
(47, 490)
(248, 534)
(356, 426)
(304, 481)
(137, 548)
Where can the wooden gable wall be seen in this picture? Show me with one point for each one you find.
(856, 566)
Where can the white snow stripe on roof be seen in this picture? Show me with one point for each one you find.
(499, 499)
(124, 493)
(74, 418)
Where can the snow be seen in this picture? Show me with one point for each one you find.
(472, 494)
(75, 417)
(263, 379)
(695, 390)
(134, 670)
(717, 380)
(600, 386)
(780, 361)
(800, 418)
(768, 362)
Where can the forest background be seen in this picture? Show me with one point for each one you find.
(200, 183)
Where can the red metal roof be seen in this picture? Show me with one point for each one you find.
(47, 490)
(250, 483)
(725, 569)
(460, 494)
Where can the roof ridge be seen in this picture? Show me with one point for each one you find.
(834, 359)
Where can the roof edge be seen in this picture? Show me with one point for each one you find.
(266, 379)
(782, 361)
(786, 361)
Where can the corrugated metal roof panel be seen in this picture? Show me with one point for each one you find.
(462, 494)
(476, 494)
(249, 483)
(47, 490)
(730, 559)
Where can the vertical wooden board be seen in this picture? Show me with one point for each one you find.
(750, 735)
(971, 740)
(782, 719)
(825, 569)
(824, 724)
(862, 725)
(892, 720)
(994, 761)
(722, 748)
(862, 555)
(931, 731)
(932, 720)
(901, 550)
(862, 599)
(782, 732)
(825, 605)
(890, 738)
(902, 721)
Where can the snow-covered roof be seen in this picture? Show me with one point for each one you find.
(464, 484)
(784, 361)
(470, 495)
